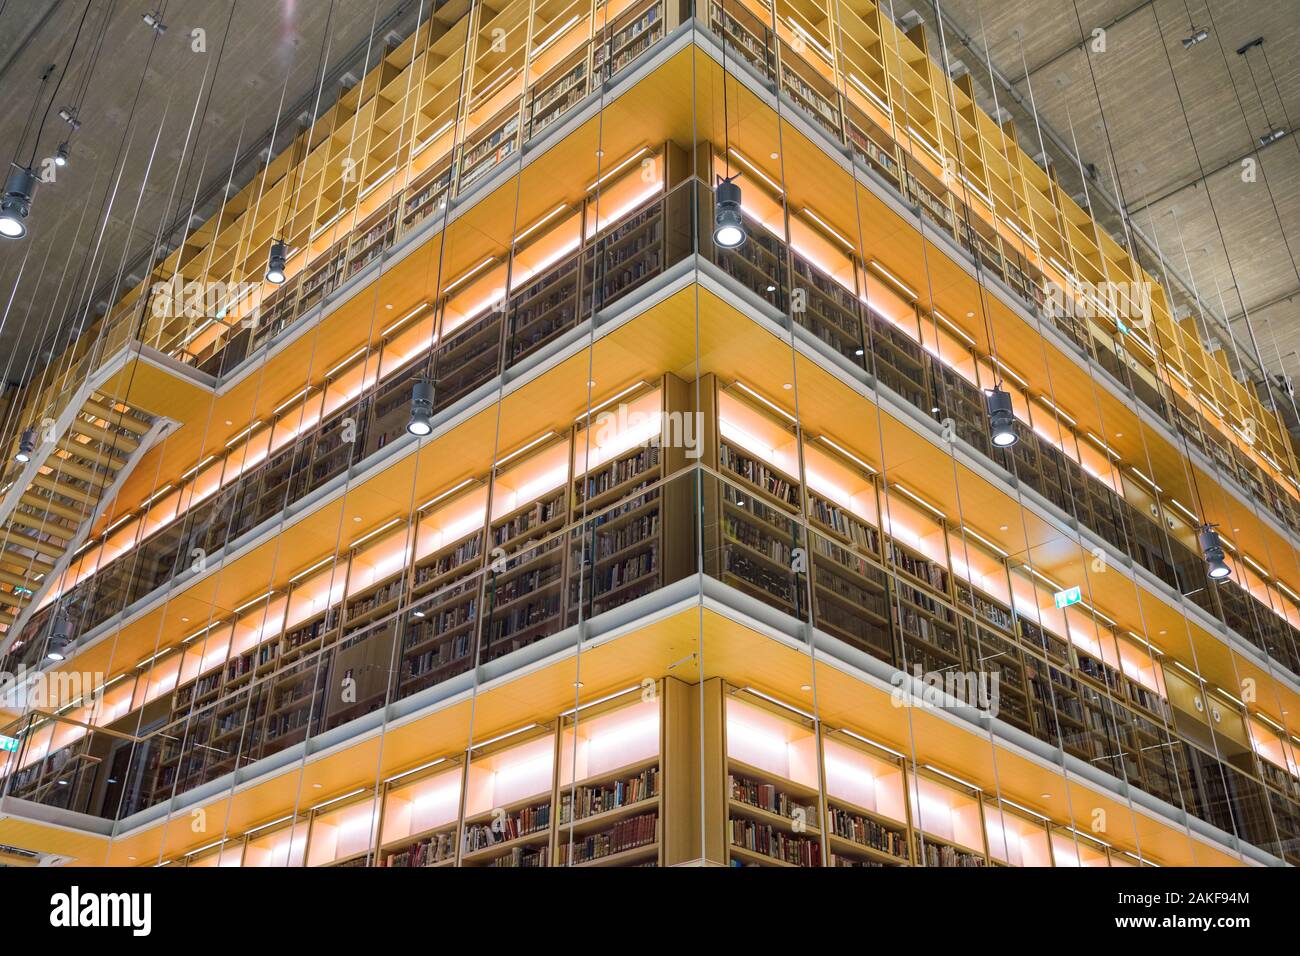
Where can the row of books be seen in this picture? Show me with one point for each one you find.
(436, 849)
(637, 831)
(757, 473)
(510, 826)
(603, 797)
(767, 797)
(766, 840)
(871, 833)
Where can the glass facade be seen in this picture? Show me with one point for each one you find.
(709, 556)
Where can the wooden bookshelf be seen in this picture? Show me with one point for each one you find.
(421, 816)
(610, 789)
(773, 815)
(867, 813)
(509, 792)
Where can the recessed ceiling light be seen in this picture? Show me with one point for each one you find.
(787, 386)
(389, 307)
(185, 620)
(1045, 796)
(805, 687)
(600, 154)
(229, 422)
(577, 683)
(773, 155)
(317, 786)
(357, 519)
(1002, 527)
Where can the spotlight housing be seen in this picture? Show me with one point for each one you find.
(16, 205)
(154, 22)
(421, 421)
(1198, 35)
(1212, 549)
(728, 222)
(1272, 136)
(60, 638)
(1002, 420)
(61, 155)
(276, 262)
(26, 446)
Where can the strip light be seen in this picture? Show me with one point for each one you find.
(894, 280)
(872, 743)
(1015, 806)
(315, 567)
(423, 766)
(376, 184)
(943, 773)
(431, 137)
(847, 454)
(1145, 480)
(267, 826)
(244, 434)
(532, 444)
(346, 362)
(1142, 640)
(156, 495)
(799, 29)
(499, 737)
(1260, 571)
(779, 703)
(447, 494)
(257, 600)
(520, 237)
(600, 700)
(871, 95)
(201, 465)
(749, 164)
(403, 320)
(334, 800)
(920, 501)
(1043, 399)
(827, 228)
(1186, 513)
(301, 393)
(983, 540)
(537, 50)
(916, 135)
(611, 400)
(755, 395)
(953, 327)
(618, 167)
(1103, 446)
(378, 531)
(203, 631)
(465, 277)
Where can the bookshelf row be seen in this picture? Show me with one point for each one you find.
(612, 784)
(410, 607)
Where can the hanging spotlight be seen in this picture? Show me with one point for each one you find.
(61, 155)
(26, 445)
(154, 22)
(16, 204)
(1198, 35)
(421, 422)
(1272, 136)
(1212, 549)
(275, 264)
(69, 116)
(1002, 421)
(60, 638)
(728, 222)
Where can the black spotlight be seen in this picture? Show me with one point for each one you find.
(26, 445)
(60, 638)
(728, 221)
(421, 422)
(1212, 549)
(16, 204)
(1002, 421)
(61, 155)
(275, 264)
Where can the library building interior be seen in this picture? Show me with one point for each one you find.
(647, 433)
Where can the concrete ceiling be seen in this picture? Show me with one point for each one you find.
(1232, 244)
(202, 118)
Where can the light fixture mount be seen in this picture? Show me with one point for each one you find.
(421, 421)
(16, 205)
(1002, 420)
(1212, 550)
(276, 262)
(728, 222)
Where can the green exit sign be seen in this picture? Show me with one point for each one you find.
(8, 743)
(1068, 596)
